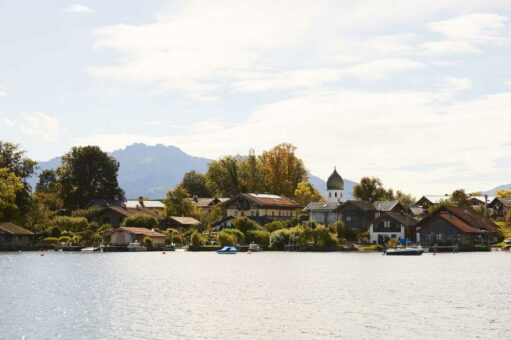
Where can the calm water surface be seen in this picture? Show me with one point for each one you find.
(258, 296)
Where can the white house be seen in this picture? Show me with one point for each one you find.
(392, 225)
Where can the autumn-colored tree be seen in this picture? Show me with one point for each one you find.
(283, 170)
(305, 193)
(504, 193)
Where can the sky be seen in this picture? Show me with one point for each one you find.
(417, 93)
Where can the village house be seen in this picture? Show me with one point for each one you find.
(123, 236)
(115, 215)
(264, 207)
(425, 202)
(130, 203)
(500, 207)
(204, 205)
(326, 212)
(392, 225)
(456, 226)
(13, 236)
(179, 222)
(225, 222)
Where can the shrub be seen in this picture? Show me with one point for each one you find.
(54, 232)
(196, 239)
(261, 237)
(279, 238)
(323, 238)
(229, 237)
(273, 226)
(87, 213)
(243, 224)
(141, 220)
(64, 239)
(51, 240)
(148, 242)
(74, 224)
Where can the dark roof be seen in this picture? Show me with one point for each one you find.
(385, 205)
(132, 211)
(266, 200)
(468, 216)
(505, 201)
(364, 205)
(204, 201)
(405, 219)
(335, 182)
(14, 229)
(322, 206)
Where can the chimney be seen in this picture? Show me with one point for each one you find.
(141, 201)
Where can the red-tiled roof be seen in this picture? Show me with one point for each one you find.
(139, 231)
(13, 229)
(458, 223)
(267, 200)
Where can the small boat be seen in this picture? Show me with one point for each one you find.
(89, 250)
(136, 246)
(254, 247)
(227, 250)
(404, 251)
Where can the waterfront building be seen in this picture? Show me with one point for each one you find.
(179, 222)
(389, 225)
(462, 227)
(262, 207)
(12, 236)
(123, 236)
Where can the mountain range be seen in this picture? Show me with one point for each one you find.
(147, 170)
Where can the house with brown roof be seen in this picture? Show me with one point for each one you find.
(179, 222)
(462, 227)
(115, 215)
(267, 206)
(205, 204)
(389, 225)
(123, 236)
(13, 236)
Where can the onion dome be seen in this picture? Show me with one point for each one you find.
(335, 181)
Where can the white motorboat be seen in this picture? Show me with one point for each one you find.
(136, 246)
(405, 251)
(254, 247)
(89, 250)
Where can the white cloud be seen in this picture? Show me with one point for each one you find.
(8, 122)
(452, 86)
(78, 8)
(2, 93)
(41, 125)
(448, 47)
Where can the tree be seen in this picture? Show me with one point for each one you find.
(371, 189)
(230, 237)
(10, 186)
(14, 159)
(283, 170)
(87, 173)
(148, 242)
(459, 198)
(195, 184)
(504, 193)
(48, 181)
(261, 237)
(141, 220)
(407, 200)
(274, 225)
(70, 224)
(222, 176)
(243, 224)
(251, 174)
(176, 203)
(305, 193)
(195, 239)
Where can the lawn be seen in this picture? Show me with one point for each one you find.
(505, 228)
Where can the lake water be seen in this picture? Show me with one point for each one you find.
(264, 295)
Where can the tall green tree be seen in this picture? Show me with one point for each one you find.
(459, 198)
(305, 193)
(177, 203)
(86, 173)
(407, 200)
(222, 176)
(371, 189)
(251, 174)
(10, 186)
(195, 184)
(283, 170)
(15, 159)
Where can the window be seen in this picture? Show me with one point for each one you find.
(329, 194)
(106, 220)
(273, 213)
(348, 218)
(439, 237)
(335, 194)
(386, 224)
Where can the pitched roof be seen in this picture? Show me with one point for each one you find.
(267, 200)
(147, 204)
(322, 206)
(385, 205)
(402, 218)
(139, 231)
(184, 220)
(434, 199)
(467, 215)
(203, 201)
(125, 211)
(14, 229)
(505, 201)
(364, 205)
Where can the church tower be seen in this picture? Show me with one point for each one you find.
(335, 187)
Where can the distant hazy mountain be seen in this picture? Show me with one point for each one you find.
(152, 170)
(493, 192)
